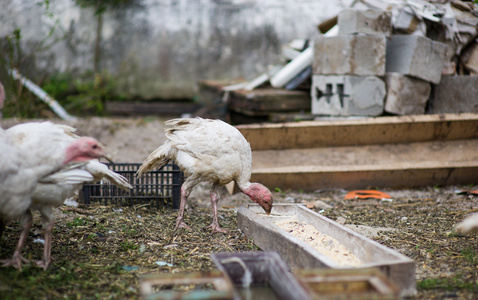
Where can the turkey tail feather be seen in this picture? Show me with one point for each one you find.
(157, 159)
(118, 180)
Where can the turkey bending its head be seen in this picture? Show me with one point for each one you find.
(261, 195)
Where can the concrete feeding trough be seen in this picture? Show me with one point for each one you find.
(259, 275)
(328, 284)
(298, 254)
(207, 285)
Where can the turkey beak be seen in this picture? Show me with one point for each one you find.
(108, 157)
(268, 210)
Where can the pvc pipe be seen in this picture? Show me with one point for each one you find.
(35, 89)
(293, 68)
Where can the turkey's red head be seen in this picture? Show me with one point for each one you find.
(261, 195)
(84, 149)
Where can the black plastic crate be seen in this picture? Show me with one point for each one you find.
(161, 187)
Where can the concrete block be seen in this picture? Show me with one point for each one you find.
(416, 56)
(455, 94)
(347, 95)
(406, 20)
(370, 21)
(350, 55)
(406, 95)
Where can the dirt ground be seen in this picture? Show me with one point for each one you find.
(102, 252)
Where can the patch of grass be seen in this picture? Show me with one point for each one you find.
(469, 255)
(448, 283)
(127, 245)
(77, 222)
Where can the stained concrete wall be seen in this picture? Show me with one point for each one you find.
(161, 48)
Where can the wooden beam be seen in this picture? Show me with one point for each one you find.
(261, 102)
(369, 166)
(380, 130)
(313, 179)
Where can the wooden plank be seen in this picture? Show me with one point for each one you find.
(150, 108)
(290, 117)
(369, 166)
(255, 105)
(311, 179)
(261, 102)
(380, 130)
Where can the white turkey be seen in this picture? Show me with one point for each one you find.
(20, 172)
(469, 224)
(53, 190)
(208, 151)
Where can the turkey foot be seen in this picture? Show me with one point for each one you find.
(180, 224)
(15, 261)
(42, 263)
(216, 228)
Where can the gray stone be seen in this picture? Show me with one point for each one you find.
(347, 95)
(406, 95)
(370, 21)
(416, 56)
(455, 94)
(350, 55)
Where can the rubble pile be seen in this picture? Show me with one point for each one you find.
(386, 57)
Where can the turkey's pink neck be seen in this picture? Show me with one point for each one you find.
(251, 190)
(76, 153)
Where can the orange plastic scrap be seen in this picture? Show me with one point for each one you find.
(367, 194)
(466, 192)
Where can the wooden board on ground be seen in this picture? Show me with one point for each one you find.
(364, 131)
(369, 166)
(382, 152)
(255, 104)
(261, 102)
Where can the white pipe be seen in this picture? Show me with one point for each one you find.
(293, 68)
(35, 89)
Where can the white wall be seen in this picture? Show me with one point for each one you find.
(161, 48)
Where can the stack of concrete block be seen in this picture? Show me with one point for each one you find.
(365, 46)
(347, 68)
(455, 94)
(412, 64)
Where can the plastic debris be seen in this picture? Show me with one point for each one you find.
(39, 241)
(163, 263)
(368, 194)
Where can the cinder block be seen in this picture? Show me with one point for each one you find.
(416, 56)
(406, 95)
(455, 94)
(406, 20)
(350, 55)
(370, 21)
(347, 95)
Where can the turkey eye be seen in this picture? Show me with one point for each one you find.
(95, 146)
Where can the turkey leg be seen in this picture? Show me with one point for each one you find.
(182, 205)
(17, 258)
(46, 260)
(215, 224)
